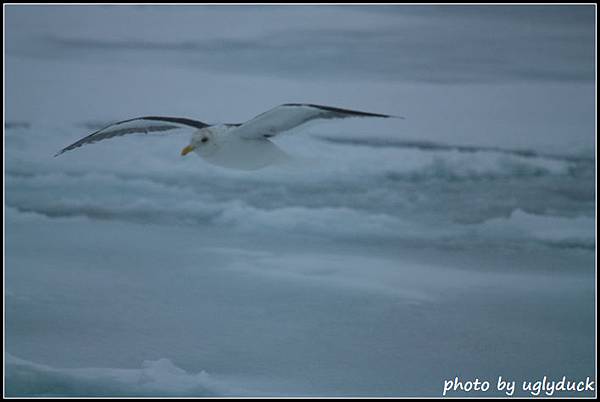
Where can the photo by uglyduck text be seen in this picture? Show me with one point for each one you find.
(542, 387)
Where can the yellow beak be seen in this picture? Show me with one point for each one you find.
(187, 150)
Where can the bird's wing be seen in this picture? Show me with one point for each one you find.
(146, 125)
(292, 115)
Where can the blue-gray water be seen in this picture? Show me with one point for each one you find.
(388, 256)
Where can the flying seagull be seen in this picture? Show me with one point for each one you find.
(244, 146)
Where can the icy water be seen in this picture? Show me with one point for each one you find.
(386, 257)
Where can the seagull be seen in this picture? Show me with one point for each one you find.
(245, 146)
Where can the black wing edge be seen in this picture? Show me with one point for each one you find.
(344, 111)
(179, 120)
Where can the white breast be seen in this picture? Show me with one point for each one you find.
(232, 151)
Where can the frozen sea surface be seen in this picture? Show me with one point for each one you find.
(387, 257)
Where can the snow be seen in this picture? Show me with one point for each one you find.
(457, 242)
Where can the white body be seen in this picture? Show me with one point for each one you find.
(223, 149)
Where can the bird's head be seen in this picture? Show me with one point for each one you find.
(202, 142)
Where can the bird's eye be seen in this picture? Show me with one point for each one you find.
(204, 139)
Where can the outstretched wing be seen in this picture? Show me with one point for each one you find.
(146, 125)
(292, 115)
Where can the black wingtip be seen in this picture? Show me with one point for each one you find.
(384, 116)
(356, 113)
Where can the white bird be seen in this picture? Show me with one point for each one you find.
(244, 146)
